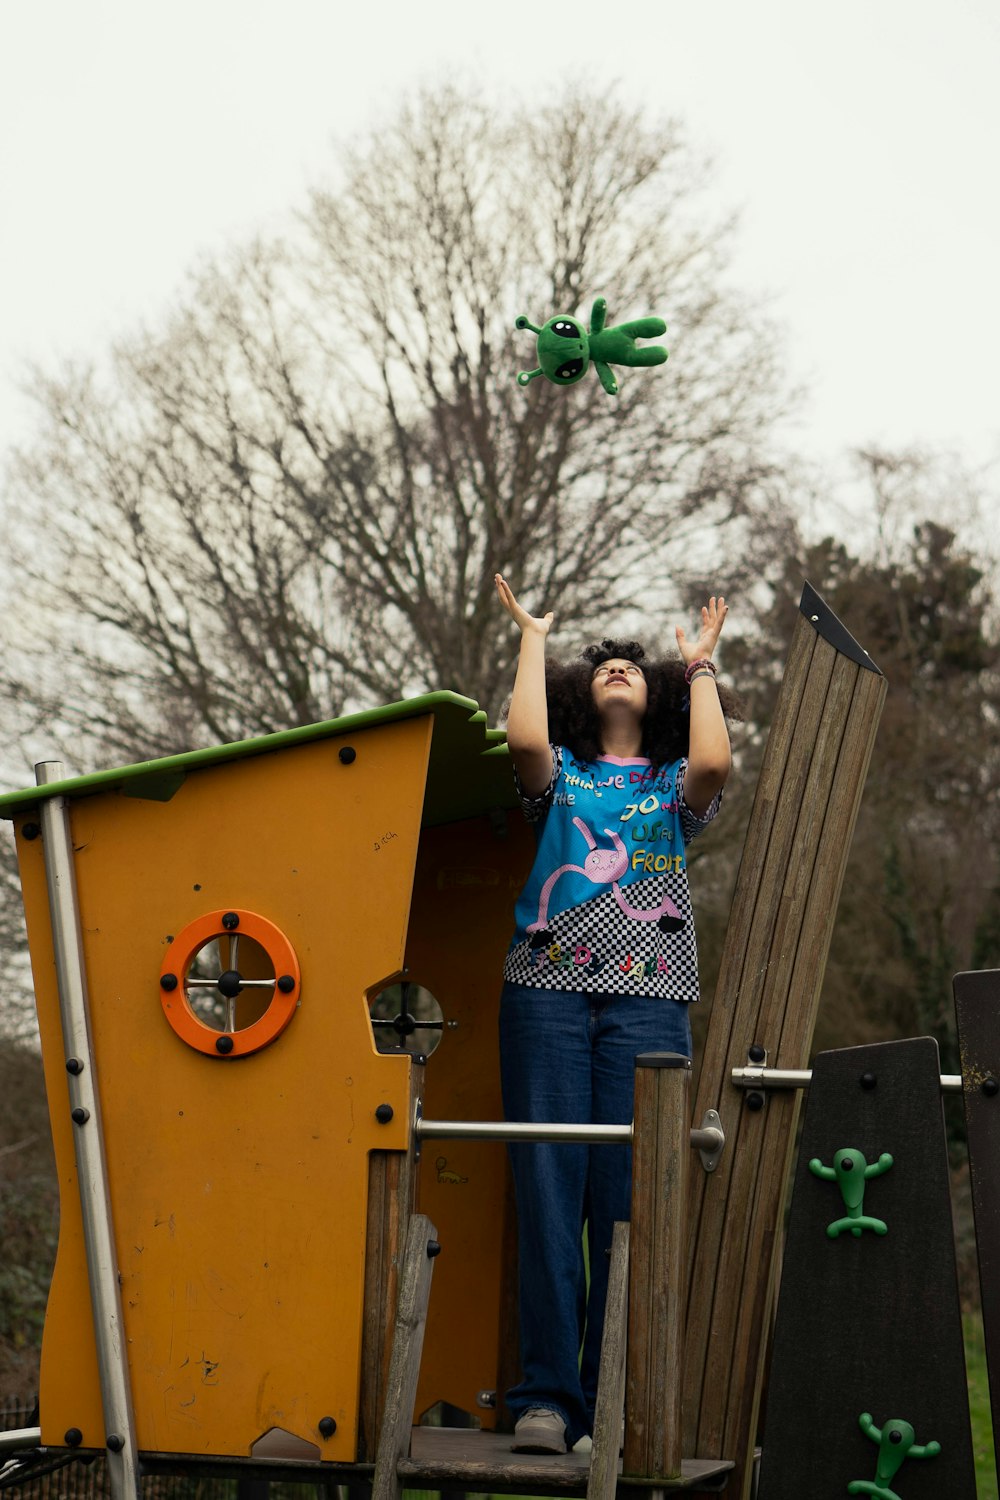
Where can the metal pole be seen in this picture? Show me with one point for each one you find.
(20, 1437)
(88, 1139)
(707, 1138)
(800, 1078)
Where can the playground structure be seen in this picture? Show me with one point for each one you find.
(247, 1278)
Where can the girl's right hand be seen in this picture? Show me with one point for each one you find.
(520, 616)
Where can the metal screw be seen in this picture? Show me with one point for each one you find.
(755, 1101)
(433, 1249)
(72, 1437)
(115, 1442)
(286, 984)
(74, 1065)
(990, 1087)
(347, 754)
(31, 831)
(327, 1426)
(756, 1053)
(168, 981)
(79, 1116)
(868, 1081)
(384, 1114)
(224, 1044)
(230, 920)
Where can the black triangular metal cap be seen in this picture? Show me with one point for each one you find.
(823, 620)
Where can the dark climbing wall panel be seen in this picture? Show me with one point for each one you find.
(868, 1317)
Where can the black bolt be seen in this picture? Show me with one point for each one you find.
(433, 1249)
(990, 1087)
(72, 1437)
(286, 984)
(755, 1101)
(230, 983)
(31, 831)
(74, 1065)
(168, 981)
(757, 1053)
(868, 1081)
(418, 1057)
(347, 754)
(384, 1114)
(230, 920)
(224, 1044)
(327, 1426)
(115, 1442)
(79, 1116)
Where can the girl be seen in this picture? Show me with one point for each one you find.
(620, 761)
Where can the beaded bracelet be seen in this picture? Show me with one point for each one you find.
(700, 666)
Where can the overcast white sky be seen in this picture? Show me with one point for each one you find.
(861, 140)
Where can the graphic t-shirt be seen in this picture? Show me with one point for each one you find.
(606, 908)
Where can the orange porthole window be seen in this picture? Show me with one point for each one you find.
(229, 983)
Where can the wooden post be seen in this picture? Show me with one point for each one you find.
(602, 1482)
(404, 1366)
(391, 1190)
(770, 977)
(661, 1152)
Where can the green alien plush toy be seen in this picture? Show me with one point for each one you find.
(564, 351)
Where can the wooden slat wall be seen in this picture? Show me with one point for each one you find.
(770, 977)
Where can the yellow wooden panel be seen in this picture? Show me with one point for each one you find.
(238, 1186)
(468, 878)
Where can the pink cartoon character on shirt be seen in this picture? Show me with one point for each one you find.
(604, 867)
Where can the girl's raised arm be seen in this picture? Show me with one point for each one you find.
(528, 715)
(709, 754)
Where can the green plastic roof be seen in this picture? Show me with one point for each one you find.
(469, 772)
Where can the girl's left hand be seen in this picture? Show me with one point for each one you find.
(713, 617)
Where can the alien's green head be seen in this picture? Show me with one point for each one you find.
(850, 1169)
(563, 351)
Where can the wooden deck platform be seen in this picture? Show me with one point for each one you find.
(450, 1458)
(456, 1458)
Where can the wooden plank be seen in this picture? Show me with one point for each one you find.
(869, 1318)
(785, 1026)
(661, 1152)
(770, 978)
(404, 1366)
(481, 1462)
(977, 1008)
(391, 1188)
(605, 1463)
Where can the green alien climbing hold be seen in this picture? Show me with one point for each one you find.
(564, 350)
(895, 1445)
(851, 1171)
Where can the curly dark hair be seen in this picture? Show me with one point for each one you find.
(573, 717)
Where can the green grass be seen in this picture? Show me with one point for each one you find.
(979, 1408)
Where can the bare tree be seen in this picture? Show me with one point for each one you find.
(292, 501)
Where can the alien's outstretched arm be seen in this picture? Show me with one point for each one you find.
(925, 1450)
(876, 1168)
(605, 376)
(527, 376)
(828, 1175)
(598, 315)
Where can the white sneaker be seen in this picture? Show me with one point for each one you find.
(539, 1430)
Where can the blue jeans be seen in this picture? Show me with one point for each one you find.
(570, 1057)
